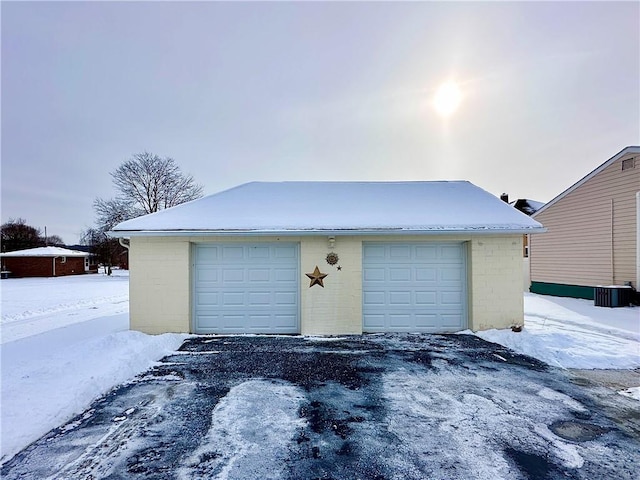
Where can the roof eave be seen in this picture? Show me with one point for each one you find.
(330, 232)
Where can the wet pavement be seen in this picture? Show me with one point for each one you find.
(355, 407)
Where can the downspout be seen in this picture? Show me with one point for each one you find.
(122, 241)
(613, 268)
(54, 266)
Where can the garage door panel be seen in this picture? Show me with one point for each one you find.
(290, 252)
(246, 288)
(400, 252)
(233, 275)
(205, 299)
(287, 275)
(426, 298)
(400, 321)
(259, 299)
(451, 274)
(284, 322)
(426, 253)
(402, 274)
(400, 298)
(426, 320)
(286, 298)
(414, 287)
(451, 298)
(233, 253)
(231, 299)
(255, 253)
(374, 298)
(207, 275)
(374, 274)
(426, 274)
(255, 275)
(451, 321)
(208, 255)
(375, 321)
(374, 251)
(451, 252)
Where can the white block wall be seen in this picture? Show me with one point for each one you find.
(159, 285)
(495, 271)
(160, 281)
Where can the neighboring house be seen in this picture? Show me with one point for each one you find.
(528, 207)
(593, 231)
(321, 258)
(93, 259)
(45, 262)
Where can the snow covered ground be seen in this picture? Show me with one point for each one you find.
(34, 305)
(65, 342)
(573, 333)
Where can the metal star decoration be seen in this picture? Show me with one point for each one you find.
(316, 277)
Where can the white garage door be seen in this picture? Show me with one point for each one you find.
(246, 288)
(414, 287)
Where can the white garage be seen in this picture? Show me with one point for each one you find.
(246, 288)
(329, 258)
(414, 287)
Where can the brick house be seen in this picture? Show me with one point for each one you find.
(45, 262)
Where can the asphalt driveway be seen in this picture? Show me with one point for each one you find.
(360, 407)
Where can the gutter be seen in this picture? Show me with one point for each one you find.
(321, 232)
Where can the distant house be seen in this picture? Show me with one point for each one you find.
(528, 207)
(592, 232)
(45, 262)
(322, 258)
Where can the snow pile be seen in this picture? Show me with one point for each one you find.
(40, 392)
(573, 333)
(65, 342)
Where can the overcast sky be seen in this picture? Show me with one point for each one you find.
(237, 92)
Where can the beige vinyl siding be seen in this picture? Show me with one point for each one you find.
(580, 246)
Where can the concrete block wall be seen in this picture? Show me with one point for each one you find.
(160, 284)
(337, 308)
(160, 281)
(495, 278)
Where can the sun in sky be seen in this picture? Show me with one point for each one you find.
(447, 98)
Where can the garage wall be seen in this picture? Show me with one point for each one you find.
(160, 281)
(495, 270)
(159, 284)
(337, 308)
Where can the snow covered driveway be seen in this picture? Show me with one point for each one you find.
(374, 407)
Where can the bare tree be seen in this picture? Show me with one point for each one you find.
(54, 240)
(146, 183)
(17, 235)
(108, 250)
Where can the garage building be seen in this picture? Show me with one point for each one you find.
(326, 258)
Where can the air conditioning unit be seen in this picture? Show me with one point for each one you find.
(613, 296)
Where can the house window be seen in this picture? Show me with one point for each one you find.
(628, 164)
(63, 260)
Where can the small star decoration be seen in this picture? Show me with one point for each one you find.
(316, 277)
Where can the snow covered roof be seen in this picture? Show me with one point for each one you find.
(45, 252)
(338, 208)
(633, 150)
